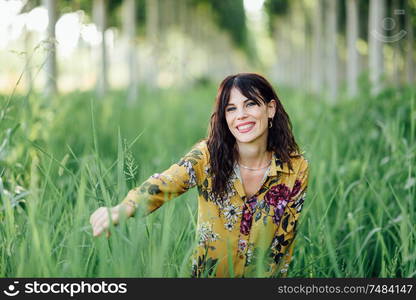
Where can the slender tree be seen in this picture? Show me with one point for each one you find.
(28, 54)
(352, 37)
(129, 24)
(28, 47)
(281, 46)
(152, 20)
(183, 14)
(331, 48)
(410, 40)
(317, 50)
(396, 44)
(50, 64)
(152, 37)
(182, 26)
(376, 37)
(100, 19)
(299, 45)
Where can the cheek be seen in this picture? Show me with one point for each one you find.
(260, 115)
(229, 120)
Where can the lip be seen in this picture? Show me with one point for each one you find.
(245, 130)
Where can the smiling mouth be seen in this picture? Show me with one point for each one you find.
(245, 128)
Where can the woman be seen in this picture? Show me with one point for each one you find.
(251, 180)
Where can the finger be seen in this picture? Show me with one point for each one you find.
(103, 218)
(92, 217)
(115, 216)
(96, 213)
(107, 214)
(101, 226)
(98, 230)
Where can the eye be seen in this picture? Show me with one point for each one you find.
(230, 109)
(251, 103)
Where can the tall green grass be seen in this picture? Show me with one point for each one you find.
(62, 159)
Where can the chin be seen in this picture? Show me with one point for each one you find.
(245, 139)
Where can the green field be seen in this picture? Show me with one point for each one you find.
(61, 159)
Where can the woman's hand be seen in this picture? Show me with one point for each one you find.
(100, 219)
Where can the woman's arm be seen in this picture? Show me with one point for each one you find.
(284, 240)
(156, 190)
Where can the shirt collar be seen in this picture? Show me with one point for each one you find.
(276, 166)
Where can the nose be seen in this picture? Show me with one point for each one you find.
(241, 114)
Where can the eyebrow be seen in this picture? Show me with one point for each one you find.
(245, 100)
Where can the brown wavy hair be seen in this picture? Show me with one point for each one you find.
(221, 142)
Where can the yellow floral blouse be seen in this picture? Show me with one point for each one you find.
(238, 236)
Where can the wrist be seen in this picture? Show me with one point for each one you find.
(127, 209)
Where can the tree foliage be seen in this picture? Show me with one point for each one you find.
(229, 15)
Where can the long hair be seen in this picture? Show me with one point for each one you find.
(221, 142)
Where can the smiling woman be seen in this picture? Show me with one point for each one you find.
(251, 180)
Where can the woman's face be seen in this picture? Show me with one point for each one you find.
(248, 121)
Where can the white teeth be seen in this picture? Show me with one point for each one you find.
(244, 127)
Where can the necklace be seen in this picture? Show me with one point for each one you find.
(255, 169)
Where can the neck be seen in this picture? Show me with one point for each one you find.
(252, 155)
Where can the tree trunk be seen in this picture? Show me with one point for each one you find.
(304, 50)
(166, 12)
(152, 36)
(100, 19)
(376, 39)
(170, 13)
(28, 57)
(289, 37)
(317, 61)
(183, 15)
(331, 43)
(152, 20)
(352, 37)
(50, 63)
(182, 21)
(299, 50)
(397, 46)
(129, 24)
(283, 51)
(410, 63)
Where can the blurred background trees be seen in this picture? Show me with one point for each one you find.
(322, 46)
(97, 95)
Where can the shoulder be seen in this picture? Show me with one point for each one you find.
(299, 161)
(201, 144)
(198, 152)
(201, 147)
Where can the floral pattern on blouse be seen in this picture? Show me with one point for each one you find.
(206, 235)
(236, 232)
